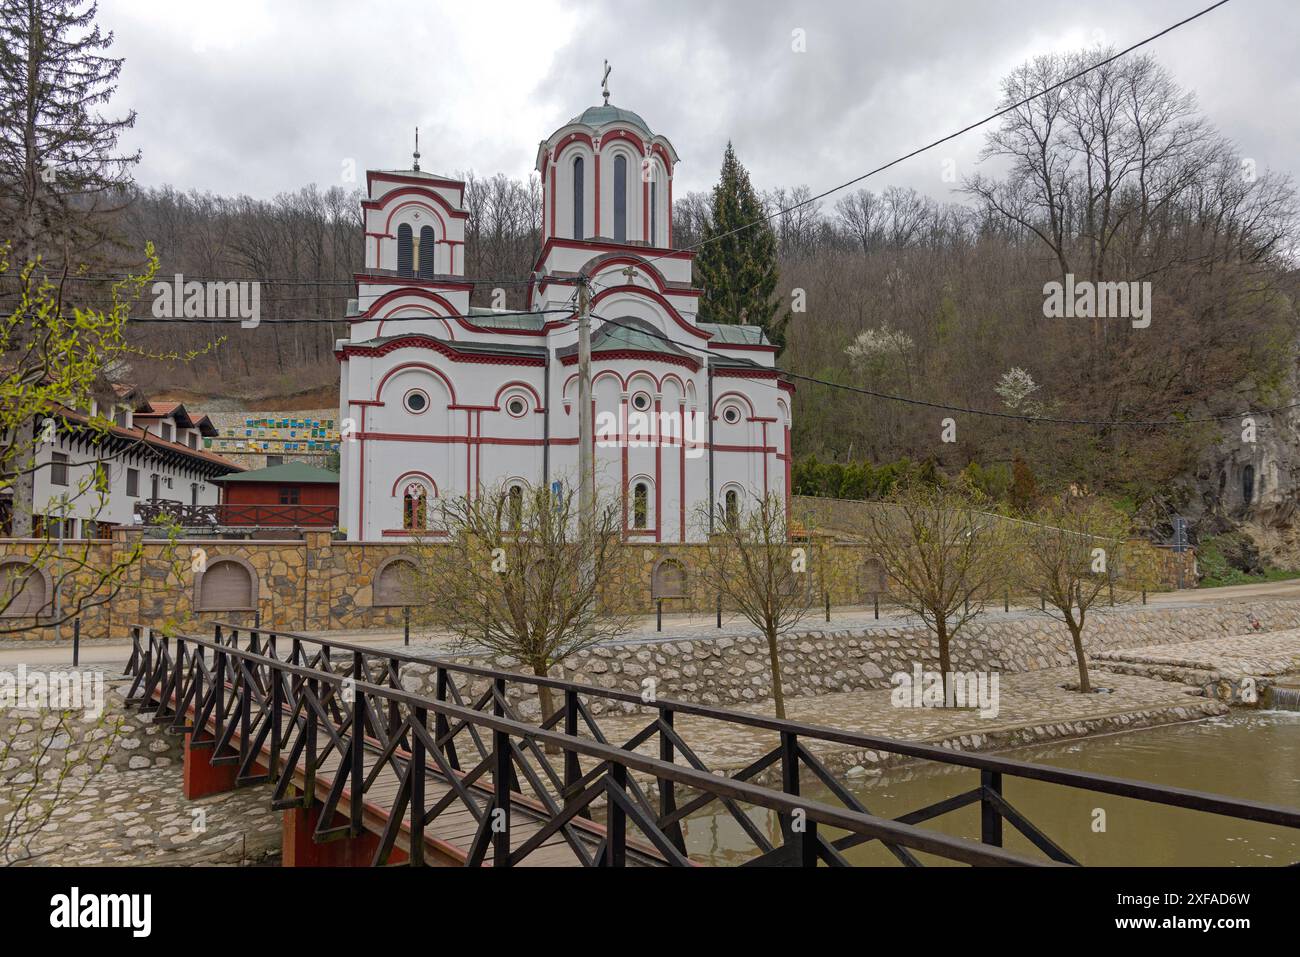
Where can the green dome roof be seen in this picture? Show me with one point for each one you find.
(600, 115)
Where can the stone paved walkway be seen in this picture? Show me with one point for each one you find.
(1263, 654)
(128, 818)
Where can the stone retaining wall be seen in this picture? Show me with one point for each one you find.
(317, 583)
(727, 670)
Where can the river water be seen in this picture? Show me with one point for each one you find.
(1248, 754)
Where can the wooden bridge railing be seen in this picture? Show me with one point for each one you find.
(304, 696)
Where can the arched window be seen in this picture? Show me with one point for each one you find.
(620, 198)
(405, 253)
(415, 507)
(428, 252)
(226, 586)
(516, 506)
(577, 199)
(731, 508)
(641, 505)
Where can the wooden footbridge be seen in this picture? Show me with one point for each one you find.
(371, 773)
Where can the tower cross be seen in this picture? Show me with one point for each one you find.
(604, 83)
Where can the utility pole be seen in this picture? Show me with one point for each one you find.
(586, 448)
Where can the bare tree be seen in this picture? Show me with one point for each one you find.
(760, 565)
(1070, 555)
(510, 570)
(944, 553)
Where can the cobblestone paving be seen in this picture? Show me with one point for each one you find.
(126, 818)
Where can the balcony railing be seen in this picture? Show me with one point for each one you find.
(151, 511)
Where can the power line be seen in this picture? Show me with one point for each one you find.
(964, 410)
(944, 139)
(319, 321)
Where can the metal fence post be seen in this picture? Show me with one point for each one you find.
(76, 642)
(990, 817)
(406, 624)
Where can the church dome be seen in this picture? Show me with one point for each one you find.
(600, 115)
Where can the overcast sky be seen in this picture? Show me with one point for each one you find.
(258, 97)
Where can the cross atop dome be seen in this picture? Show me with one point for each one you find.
(604, 83)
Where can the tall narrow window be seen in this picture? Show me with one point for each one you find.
(516, 506)
(577, 199)
(620, 199)
(641, 505)
(414, 510)
(1248, 484)
(405, 251)
(428, 252)
(58, 468)
(654, 213)
(732, 508)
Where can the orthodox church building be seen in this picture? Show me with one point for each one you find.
(440, 399)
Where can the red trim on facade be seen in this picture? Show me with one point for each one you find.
(416, 340)
(657, 297)
(719, 345)
(385, 177)
(420, 189)
(660, 252)
(659, 475)
(615, 354)
(372, 311)
(681, 480)
(411, 473)
(451, 389)
(597, 155)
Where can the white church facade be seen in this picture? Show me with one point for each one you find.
(440, 399)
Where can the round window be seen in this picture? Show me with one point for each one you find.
(416, 401)
(641, 401)
(731, 415)
(516, 406)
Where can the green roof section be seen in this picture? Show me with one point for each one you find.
(600, 115)
(490, 319)
(734, 333)
(290, 473)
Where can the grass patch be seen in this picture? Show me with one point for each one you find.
(1218, 571)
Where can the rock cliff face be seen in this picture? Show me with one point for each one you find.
(1254, 485)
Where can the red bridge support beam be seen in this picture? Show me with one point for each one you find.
(298, 849)
(201, 777)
